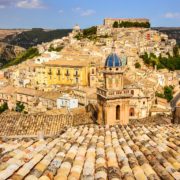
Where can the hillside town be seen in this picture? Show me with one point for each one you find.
(76, 69)
(89, 107)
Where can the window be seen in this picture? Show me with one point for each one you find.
(131, 112)
(67, 72)
(117, 112)
(50, 72)
(58, 72)
(132, 92)
(77, 80)
(92, 71)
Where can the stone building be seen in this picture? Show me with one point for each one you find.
(33, 100)
(110, 21)
(175, 104)
(67, 101)
(117, 102)
(67, 73)
(113, 99)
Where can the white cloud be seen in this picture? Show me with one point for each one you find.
(84, 12)
(77, 9)
(61, 11)
(2, 6)
(88, 12)
(30, 4)
(171, 15)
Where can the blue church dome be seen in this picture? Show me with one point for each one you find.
(113, 61)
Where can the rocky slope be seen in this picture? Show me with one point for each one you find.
(8, 52)
(10, 32)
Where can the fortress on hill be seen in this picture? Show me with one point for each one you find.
(110, 21)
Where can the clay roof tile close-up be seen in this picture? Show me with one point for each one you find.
(130, 152)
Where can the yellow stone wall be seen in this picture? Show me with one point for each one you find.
(75, 76)
(41, 76)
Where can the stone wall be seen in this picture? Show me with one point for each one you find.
(176, 118)
(110, 21)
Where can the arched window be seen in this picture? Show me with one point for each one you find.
(117, 112)
(132, 92)
(156, 101)
(131, 112)
(92, 71)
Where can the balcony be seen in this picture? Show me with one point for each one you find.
(77, 75)
(113, 93)
(49, 73)
(67, 74)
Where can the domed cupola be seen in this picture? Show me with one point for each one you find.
(113, 61)
(76, 28)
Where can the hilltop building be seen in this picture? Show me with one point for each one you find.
(110, 21)
(76, 30)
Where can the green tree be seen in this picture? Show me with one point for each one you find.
(168, 93)
(137, 65)
(170, 63)
(115, 25)
(19, 107)
(3, 107)
(128, 24)
(90, 31)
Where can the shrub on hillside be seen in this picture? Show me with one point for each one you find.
(127, 24)
(3, 107)
(167, 94)
(58, 49)
(19, 107)
(28, 54)
(171, 63)
(137, 65)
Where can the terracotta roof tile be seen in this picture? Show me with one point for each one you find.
(95, 152)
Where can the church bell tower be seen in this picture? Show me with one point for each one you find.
(113, 98)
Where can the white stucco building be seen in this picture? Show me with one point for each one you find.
(67, 102)
(47, 56)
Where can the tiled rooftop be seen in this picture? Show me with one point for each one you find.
(31, 125)
(95, 152)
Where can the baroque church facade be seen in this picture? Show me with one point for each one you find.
(118, 103)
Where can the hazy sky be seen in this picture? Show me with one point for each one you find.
(66, 13)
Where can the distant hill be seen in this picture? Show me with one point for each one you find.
(172, 32)
(10, 32)
(35, 36)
